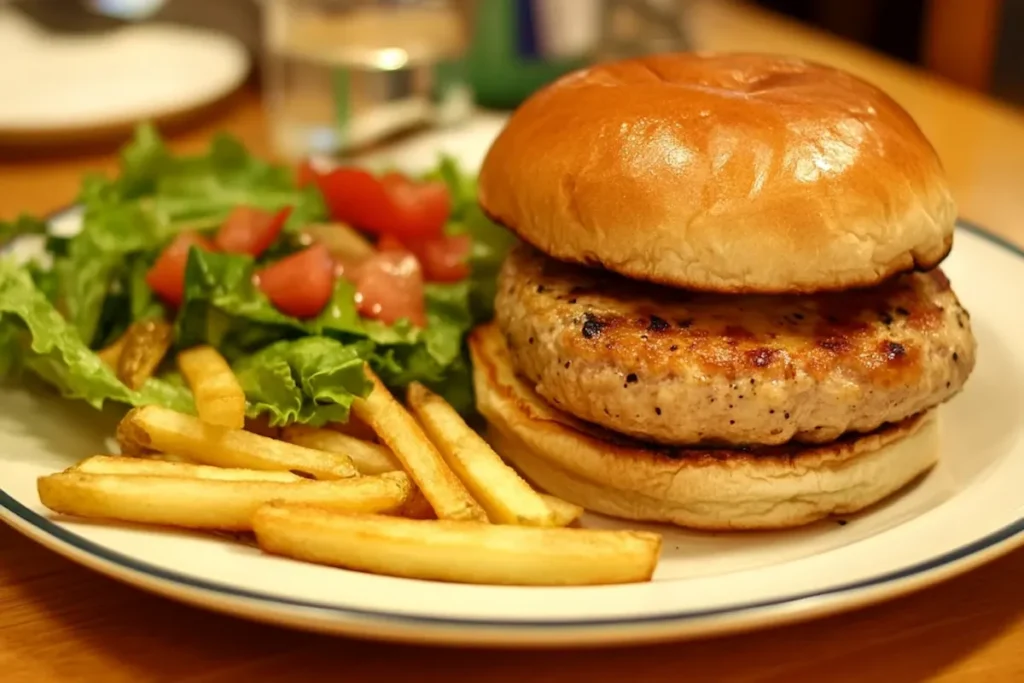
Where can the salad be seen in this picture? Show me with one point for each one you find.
(299, 277)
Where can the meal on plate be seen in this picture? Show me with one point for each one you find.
(723, 310)
(727, 310)
(259, 322)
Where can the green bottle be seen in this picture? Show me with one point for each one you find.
(505, 63)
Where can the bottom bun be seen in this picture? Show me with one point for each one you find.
(702, 488)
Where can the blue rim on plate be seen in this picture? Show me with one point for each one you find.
(131, 564)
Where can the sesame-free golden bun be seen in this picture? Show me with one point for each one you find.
(714, 489)
(727, 173)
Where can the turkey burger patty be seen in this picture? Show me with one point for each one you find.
(679, 368)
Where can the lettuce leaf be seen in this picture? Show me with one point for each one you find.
(96, 287)
(199, 191)
(312, 380)
(19, 227)
(34, 337)
(155, 196)
(223, 308)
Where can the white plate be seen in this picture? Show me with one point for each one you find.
(64, 85)
(965, 512)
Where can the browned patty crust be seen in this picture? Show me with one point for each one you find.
(677, 367)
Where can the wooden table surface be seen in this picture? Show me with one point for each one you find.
(62, 622)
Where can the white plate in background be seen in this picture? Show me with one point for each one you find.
(68, 85)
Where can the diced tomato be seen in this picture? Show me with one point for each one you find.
(444, 258)
(167, 276)
(424, 206)
(391, 243)
(389, 287)
(300, 285)
(389, 205)
(305, 174)
(248, 230)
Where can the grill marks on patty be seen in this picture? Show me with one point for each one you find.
(679, 367)
(835, 327)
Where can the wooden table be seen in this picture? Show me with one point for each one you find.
(61, 622)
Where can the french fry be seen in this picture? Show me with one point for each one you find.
(506, 497)
(218, 396)
(464, 552)
(111, 355)
(161, 429)
(563, 512)
(171, 457)
(417, 507)
(126, 441)
(107, 464)
(355, 428)
(369, 458)
(419, 457)
(145, 345)
(209, 503)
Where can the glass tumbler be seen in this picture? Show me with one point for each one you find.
(343, 76)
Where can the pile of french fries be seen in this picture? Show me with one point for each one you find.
(412, 492)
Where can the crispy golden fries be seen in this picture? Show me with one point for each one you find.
(419, 457)
(344, 244)
(463, 552)
(563, 512)
(218, 396)
(499, 489)
(424, 507)
(111, 355)
(209, 503)
(108, 464)
(171, 457)
(157, 428)
(369, 458)
(126, 441)
(355, 428)
(145, 345)
(417, 507)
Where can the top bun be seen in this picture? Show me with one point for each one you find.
(725, 173)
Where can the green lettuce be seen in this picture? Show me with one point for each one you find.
(52, 317)
(36, 338)
(199, 191)
(312, 380)
(156, 195)
(21, 226)
(223, 308)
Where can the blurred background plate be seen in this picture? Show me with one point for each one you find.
(72, 87)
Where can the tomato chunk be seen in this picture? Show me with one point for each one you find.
(249, 230)
(444, 258)
(167, 275)
(389, 287)
(300, 285)
(390, 243)
(392, 204)
(306, 174)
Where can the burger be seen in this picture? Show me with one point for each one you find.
(726, 309)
